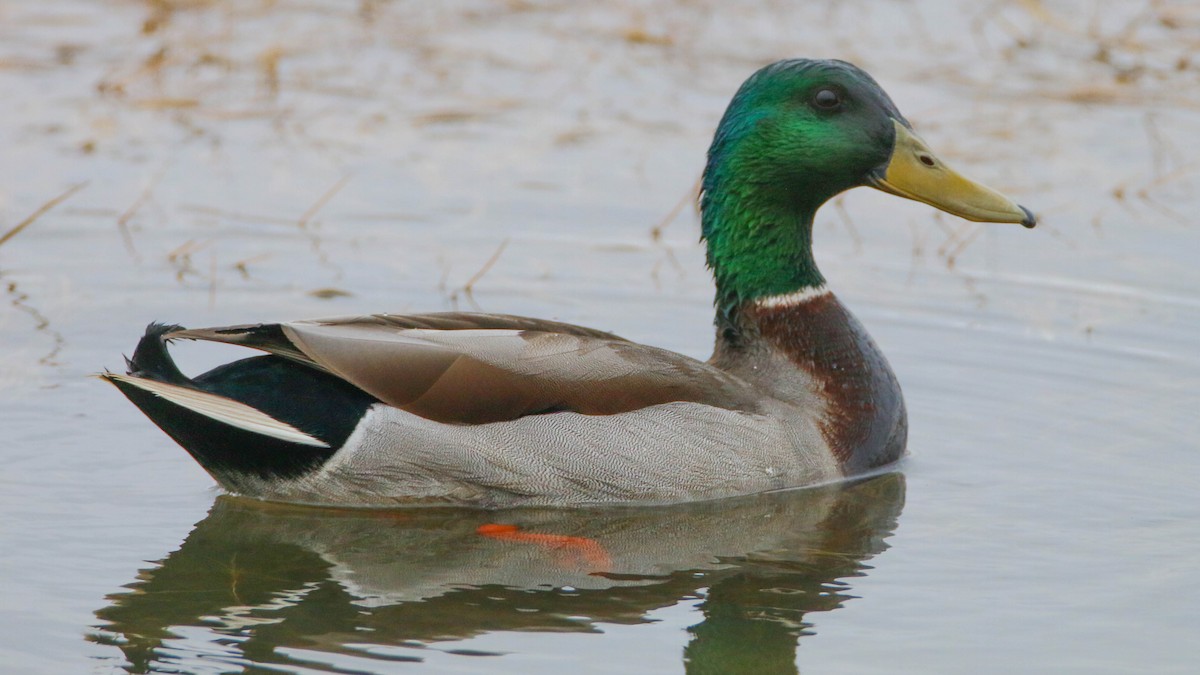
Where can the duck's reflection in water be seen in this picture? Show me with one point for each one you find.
(255, 579)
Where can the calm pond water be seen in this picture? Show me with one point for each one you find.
(251, 160)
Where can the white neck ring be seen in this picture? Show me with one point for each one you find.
(800, 297)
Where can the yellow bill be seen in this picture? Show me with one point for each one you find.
(914, 172)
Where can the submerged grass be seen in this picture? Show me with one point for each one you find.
(42, 210)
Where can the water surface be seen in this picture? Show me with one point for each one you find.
(248, 161)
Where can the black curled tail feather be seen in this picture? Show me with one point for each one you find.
(151, 359)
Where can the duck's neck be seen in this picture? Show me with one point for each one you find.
(781, 329)
(759, 248)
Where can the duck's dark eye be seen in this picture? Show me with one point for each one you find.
(827, 99)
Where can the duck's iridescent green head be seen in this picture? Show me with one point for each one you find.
(804, 130)
(797, 133)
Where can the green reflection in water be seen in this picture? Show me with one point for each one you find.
(254, 580)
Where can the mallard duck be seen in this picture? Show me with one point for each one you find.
(495, 410)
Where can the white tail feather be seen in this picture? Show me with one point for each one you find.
(222, 409)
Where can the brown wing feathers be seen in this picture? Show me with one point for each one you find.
(477, 368)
